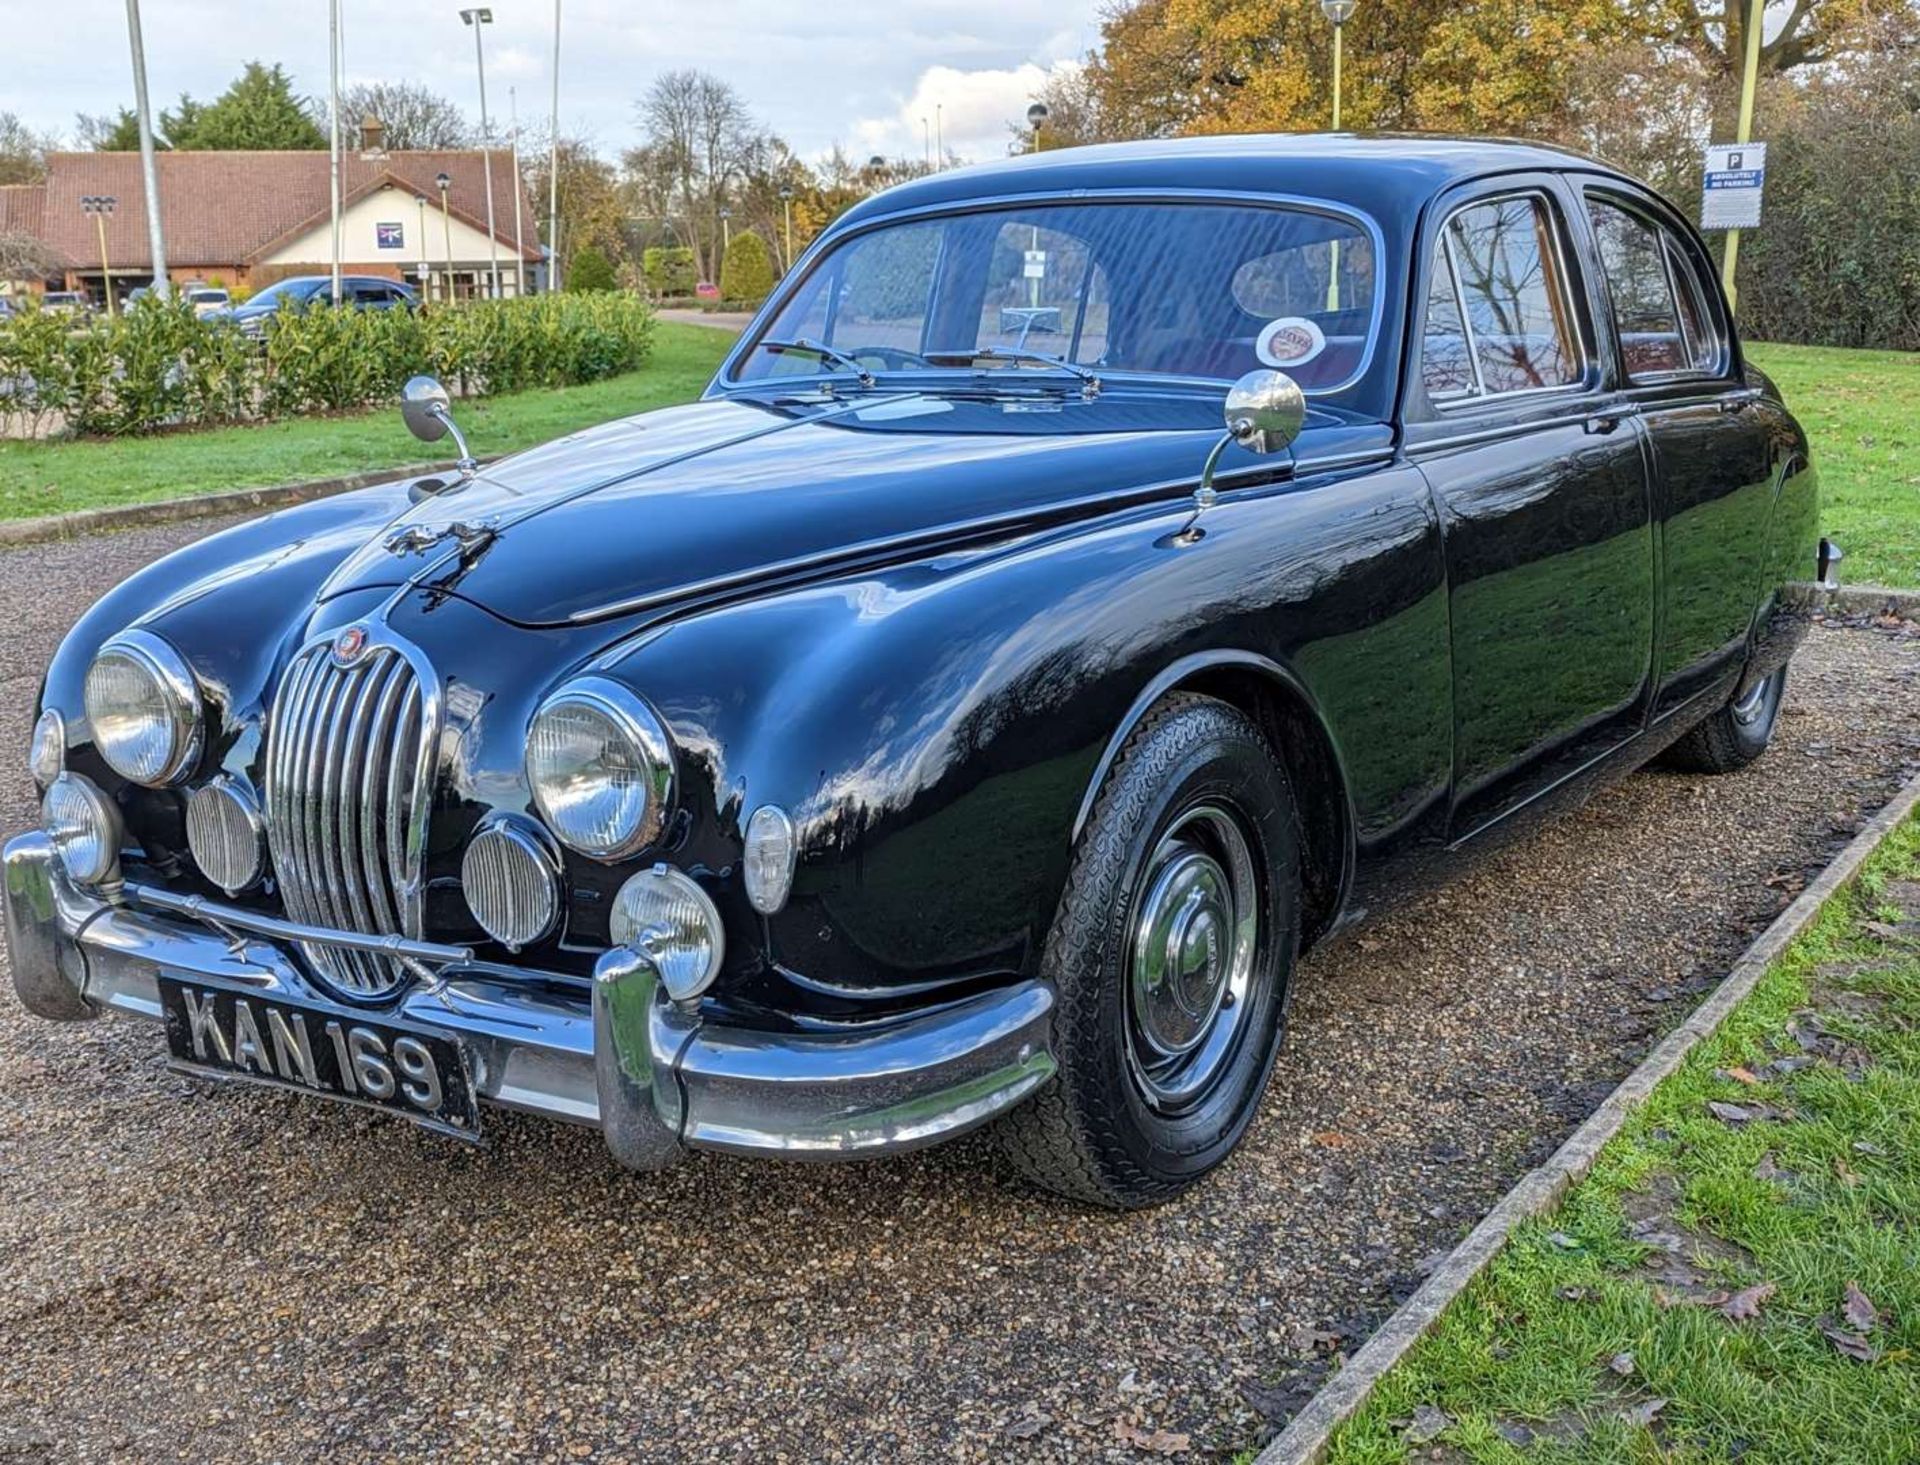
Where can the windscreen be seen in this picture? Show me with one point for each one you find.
(1170, 289)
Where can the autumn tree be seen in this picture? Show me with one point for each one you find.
(592, 211)
(697, 132)
(415, 117)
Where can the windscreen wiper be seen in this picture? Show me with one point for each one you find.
(823, 352)
(1089, 379)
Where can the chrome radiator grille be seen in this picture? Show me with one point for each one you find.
(349, 763)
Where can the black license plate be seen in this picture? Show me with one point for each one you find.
(238, 1035)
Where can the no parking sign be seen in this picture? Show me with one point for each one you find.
(1736, 174)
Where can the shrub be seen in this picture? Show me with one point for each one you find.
(747, 271)
(590, 272)
(157, 365)
(669, 271)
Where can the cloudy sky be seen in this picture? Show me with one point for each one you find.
(861, 73)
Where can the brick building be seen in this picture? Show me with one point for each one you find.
(250, 218)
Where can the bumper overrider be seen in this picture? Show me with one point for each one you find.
(651, 1074)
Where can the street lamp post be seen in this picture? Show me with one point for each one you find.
(519, 245)
(446, 221)
(477, 18)
(1339, 12)
(786, 210)
(426, 267)
(553, 165)
(726, 232)
(1037, 116)
(100, 205)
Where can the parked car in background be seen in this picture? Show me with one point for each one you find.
(1091, 581)
(303, 292)
(207, 299)
(73, 302)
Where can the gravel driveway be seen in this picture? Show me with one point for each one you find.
(241, 1275)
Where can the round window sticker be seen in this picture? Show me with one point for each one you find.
(1293, 340)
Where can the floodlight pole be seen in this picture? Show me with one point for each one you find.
(476, 18)
(149, 173)
(553, 165)
(1339, 12)
(1743, 132)
(333, 137)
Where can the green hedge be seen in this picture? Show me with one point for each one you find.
(158, 366)
(746, 273)
(669, 271)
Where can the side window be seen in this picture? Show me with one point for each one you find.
(1657, 309)
(1498, 317)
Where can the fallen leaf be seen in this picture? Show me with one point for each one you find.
(1644, 1414)
(1428, 1422)
(1848, 1176)
(1747, 1302)
(1851, 1344)
(1576, 1294)
(1860, 1311)
(1739, 1075)
(1029, 1425)
(1153, 1441)
(1881, 929)
(1622, 1364)
(1768, 1168)
(1332, 1139)
(1732, 1113)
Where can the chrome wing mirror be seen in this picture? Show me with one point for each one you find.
(428, 412)
(1265, 411)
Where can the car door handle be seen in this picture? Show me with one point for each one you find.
(1607, 419)
(1741, 400)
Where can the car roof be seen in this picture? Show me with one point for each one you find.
(1376, 172)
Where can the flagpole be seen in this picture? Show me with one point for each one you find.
(333, 141)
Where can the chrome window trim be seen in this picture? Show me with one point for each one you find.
(728, 380)
(1589, 380)
(176, 681)
(1668, 240)
(630, 713)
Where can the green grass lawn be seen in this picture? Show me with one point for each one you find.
(1862, 411)
(39, 478)
(1739, 1276)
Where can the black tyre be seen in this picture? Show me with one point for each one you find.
(1735, 735)
(1172, 953)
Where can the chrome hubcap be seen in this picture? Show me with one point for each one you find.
(1190, 962)
(1753, 702)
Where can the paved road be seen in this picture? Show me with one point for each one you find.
(734, 321)
(240, 1275)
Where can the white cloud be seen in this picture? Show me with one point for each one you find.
(970, 109)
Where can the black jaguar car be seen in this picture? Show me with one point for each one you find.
(1092, 580)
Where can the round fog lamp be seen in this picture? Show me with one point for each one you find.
(226, 834)
(84, 827)
(768, 862)
(512, 884)
(666, 917)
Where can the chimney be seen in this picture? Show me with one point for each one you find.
(373, 135)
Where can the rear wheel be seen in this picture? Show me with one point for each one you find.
(1735, 735)
(1171, 954)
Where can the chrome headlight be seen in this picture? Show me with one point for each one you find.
(144, 709)
(664, 915)
(600, 768)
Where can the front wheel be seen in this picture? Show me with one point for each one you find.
(1738, 733)
(1171, 952)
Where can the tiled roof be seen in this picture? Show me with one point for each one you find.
(226, 208)
(22, 206)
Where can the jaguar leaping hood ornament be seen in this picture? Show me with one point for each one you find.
(421, 538)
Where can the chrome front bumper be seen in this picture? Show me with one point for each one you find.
(653, 1076)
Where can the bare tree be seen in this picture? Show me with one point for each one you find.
(698, 133)
(414, 116)
(23, 152)
(23, 257)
